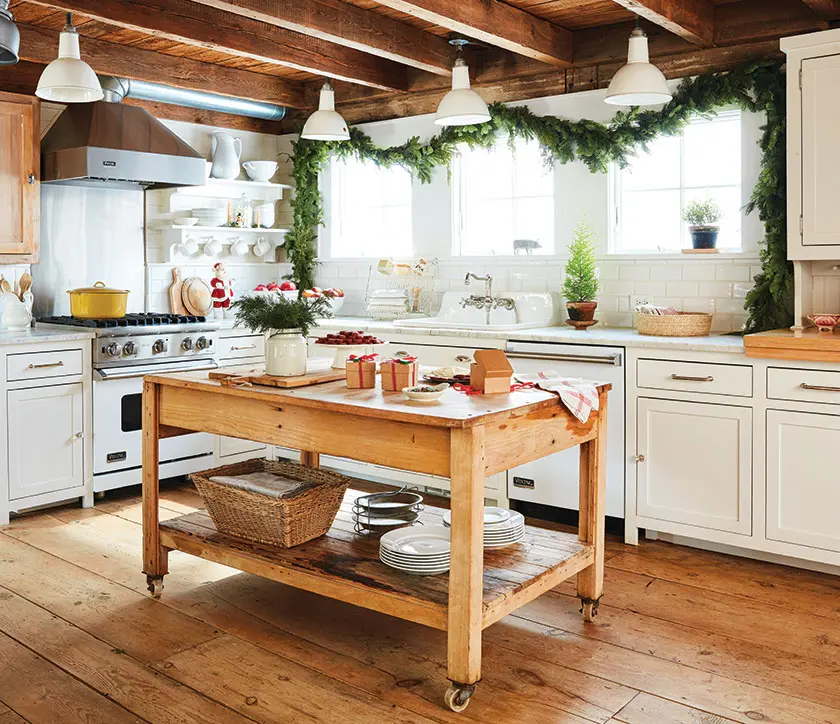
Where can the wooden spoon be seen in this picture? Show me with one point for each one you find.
(25, 284)
(5, 287)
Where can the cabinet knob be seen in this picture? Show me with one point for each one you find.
(639, 458)
(30, 179)
(79, 435)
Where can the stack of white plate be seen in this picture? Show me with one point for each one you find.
(421, 550)
(210, 216)
(501, 527)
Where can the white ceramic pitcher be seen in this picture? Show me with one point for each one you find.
(17, 314)
(227, 150)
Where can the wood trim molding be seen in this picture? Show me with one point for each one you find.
(692, 20)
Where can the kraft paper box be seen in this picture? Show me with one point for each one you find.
(361, 373)
(399, 373)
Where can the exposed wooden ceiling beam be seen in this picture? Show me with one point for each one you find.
(40, 45)
(693, 20)
(23, 78)
(828, 9)
(495, 23)
(344, 24)
(187, 22)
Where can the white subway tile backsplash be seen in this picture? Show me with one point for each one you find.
(650, 289)
(607, 271)
(635, 272)
(618, 288)
(683, 289)
(698, 304)
(715, 289)
(729, 306)
(732, 272)
(666, 272)
(698, 272)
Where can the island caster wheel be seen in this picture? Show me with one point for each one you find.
(457, 696)
(155, 585)
(589, 609)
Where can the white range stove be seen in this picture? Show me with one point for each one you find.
(124, 350)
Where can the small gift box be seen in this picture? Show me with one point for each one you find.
(361, 371)
(398, 373)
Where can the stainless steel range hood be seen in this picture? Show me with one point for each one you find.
(111, 145)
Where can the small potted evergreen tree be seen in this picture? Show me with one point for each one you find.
(285, 322)
(702, 218)
(580, 287)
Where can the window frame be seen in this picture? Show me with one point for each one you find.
(615, 196)
(458, 203)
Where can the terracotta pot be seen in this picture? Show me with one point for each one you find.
(581, 314)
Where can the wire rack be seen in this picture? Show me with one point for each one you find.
(372, 512)
(417, 278)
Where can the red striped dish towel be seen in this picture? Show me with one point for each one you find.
(579, 396)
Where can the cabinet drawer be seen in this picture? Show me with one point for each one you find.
(37, 365)
(701, 377)
(252, 345)
(803, 385)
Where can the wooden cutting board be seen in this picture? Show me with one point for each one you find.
(195, 293)
(176, 304)
(246, 376)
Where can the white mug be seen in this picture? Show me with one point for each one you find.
(262, 247)
(189, 247)
(213, 247)
(239, 247)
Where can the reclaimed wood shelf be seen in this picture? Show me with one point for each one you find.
(345, 565)
(809, 345)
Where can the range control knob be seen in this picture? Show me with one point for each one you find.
(113, 350)
(129, 349)
(202, 343)
(187, 344)
(158, 346)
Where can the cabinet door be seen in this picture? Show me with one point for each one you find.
(45, 439)
(19, 170)
(697, 464)
(820, 151)
(803, 487)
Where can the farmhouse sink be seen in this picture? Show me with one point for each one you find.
(530, 309)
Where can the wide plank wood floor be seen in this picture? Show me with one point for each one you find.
(684, 636)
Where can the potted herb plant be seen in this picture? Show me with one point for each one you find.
(286, 323)
(702, 218)
(580, 287)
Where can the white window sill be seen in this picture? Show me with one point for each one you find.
(746, 255)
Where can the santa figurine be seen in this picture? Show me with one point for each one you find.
(222, 291)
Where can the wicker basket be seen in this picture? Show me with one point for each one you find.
(682, 324)
(264, 519)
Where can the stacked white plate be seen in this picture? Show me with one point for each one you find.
(210, 216)
(501, 527)
(421, 550)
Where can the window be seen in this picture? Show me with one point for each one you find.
(370, 210)
(502, 195)
(651, 193)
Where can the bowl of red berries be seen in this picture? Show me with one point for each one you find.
(347, 342)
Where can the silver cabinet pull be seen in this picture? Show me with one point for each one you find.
(610, 359)
(463, 358)
(245, 346)
(688, 378)
(819, 388)
(79, 435)
(47, 365)
(639, 458)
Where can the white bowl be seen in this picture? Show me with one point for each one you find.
(186, 221)
(414, 392)
(260, 170)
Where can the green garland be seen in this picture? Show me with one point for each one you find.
(756, 86)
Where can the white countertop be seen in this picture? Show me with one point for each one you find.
(36, 335)
(616, 336)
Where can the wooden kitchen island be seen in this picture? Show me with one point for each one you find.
(464, 438)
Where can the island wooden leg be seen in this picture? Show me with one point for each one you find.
(310, 459)
(467, 566)
(155, 556)
(593, 489)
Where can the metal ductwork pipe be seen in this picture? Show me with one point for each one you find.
(116, 89)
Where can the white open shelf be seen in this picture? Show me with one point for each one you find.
(232, 229)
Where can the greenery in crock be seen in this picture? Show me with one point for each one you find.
(756, 86)
(702, 213)
(581, 282)
(269, 313)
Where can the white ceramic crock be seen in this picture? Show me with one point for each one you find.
(285, 353)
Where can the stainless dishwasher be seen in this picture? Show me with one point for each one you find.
(554, 480)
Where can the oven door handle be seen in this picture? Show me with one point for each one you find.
(124, 373)
(609, 359)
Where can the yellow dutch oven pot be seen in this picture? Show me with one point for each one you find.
(98, 302)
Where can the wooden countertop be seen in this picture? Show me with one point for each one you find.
(455, 409)
(787, 344)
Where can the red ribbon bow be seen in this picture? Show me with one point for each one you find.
(362, 358)
(400, 360)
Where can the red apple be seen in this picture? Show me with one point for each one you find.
(338, 292)
(288, 286)
(311, 293)
(261, 288)
(272, 286)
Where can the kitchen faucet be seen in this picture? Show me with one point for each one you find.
(487, 302)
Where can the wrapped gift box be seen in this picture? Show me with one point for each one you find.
(398, 373)
(361, 371)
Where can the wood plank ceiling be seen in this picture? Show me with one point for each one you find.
(391, 57)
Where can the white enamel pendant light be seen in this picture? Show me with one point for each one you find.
(68, 79)
(639, 82)
(326, 124)
(461, 106)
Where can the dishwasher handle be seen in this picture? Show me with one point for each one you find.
(613, 360)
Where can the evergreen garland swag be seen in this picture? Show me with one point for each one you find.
(756, 86)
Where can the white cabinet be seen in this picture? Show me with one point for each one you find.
(694, 464)
(813, 154)
(803, 485)
(45, 433)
